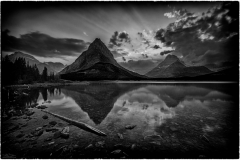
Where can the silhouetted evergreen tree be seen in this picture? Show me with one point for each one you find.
(44, 74)
(36, 73)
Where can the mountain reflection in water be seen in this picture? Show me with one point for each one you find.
(148, 106)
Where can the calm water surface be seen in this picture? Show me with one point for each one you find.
(181, 118)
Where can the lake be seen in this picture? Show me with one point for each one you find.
(141, 120)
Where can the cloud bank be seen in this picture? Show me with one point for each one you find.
(43, 45)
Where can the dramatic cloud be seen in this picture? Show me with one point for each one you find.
(140, 66)
(118, 39)
(202, 38)
(156, 47)
(147, 39)
(160, 35)
(178, 13)
(124, 36)
(166, 52)
(169, 15)
(43, 45)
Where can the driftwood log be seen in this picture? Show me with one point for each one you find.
(81, 125)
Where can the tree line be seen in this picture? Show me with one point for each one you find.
(20, 72)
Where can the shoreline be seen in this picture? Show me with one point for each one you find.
(52, 84)
(45, 85)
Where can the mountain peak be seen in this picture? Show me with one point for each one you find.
(97, 42)
(172, 57)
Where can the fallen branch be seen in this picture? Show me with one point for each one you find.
(81, 125)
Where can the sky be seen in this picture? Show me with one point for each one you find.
(139, 34)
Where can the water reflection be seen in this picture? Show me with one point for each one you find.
(145, 104)
(141, 107)
(174, 117)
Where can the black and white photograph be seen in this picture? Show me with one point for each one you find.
(120, 80)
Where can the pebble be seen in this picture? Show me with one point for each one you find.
(29, 113)
(133, 147)
(45, 117)
(65, 132)
(130, 126)
(51, 129)
(89, 146)
(39, 128)
(38, 133)
(117, 153)
(53, 123)
(100, 144)
(120, 135)
(51, 143)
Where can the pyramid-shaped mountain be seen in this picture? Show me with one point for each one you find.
(172, 67)
(97, 63)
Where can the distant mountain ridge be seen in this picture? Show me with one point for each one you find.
(27, 57)
(172, 67)
(97, 63)
(220, 66)
(51, 66)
